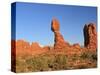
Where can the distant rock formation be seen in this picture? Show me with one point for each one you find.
(90, 36)
(76, 45)
(35, 46)
(23, 48)
(59, 40)
(36, 49)
(46, 48)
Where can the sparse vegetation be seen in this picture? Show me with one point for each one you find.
(47, 62)
(89, 55)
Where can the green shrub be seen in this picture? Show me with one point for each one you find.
(89, 55)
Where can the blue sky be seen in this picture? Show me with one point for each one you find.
(33, 22)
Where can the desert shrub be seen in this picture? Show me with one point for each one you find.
(61, 59)
(74, 57)
(42, 63)
(21, 65)
(60, 62)
(85, 55)
(38, 63)
(48, 62)
(94, 56)
(89, 55)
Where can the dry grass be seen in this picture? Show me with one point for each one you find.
(47, 62)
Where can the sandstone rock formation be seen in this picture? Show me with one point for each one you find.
(35, 46)
(23, 48)
(46, 48)
(36, 49)
(59, 40)
(76, 45)
(90, 36)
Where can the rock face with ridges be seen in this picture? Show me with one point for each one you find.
(59, 40)
(90, 36)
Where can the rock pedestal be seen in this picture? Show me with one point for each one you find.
(59, 40)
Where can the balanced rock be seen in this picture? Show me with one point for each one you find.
(55, 25)
(59, 40)
(90, 36)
